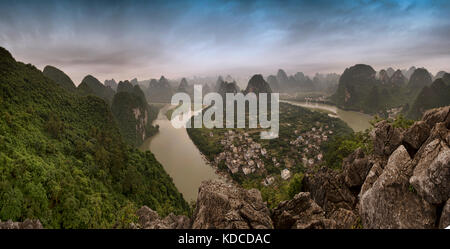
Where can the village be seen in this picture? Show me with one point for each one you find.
(242, 154)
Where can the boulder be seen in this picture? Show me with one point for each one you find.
(300, 213)
(391, 203)
(346, 219)
(328, 189)
(431, 176)
(437, 115)
(416, 135)
(222, 205)
(355, 168)
(386, 138)
(149, 219)
(372, 176)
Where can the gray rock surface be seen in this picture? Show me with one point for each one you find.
(149, 219)
(27, 224)
(221, 205)
(355, 168)
(391, 203)
(300, 213)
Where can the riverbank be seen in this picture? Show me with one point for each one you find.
(358, 121)
(179, 156)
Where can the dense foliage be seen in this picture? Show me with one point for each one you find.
(59, 77)
(63, 161)
(295, 121)
(132, 113)
(436, 95)
(341, 146)
(92, 86)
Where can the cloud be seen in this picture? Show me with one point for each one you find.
(124, 39)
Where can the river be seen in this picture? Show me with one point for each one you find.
(358, 121)
(188, 168)
(179, 156)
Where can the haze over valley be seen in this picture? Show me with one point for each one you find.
(358, 94)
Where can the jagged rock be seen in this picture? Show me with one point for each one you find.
(386, 138)
(431, 176)
(444, 222)
(414, 137)
(328, 189)
(391, 203)
(224, 206)
(372, 176)
(345, 219)
(149, 219)
(355, 168)
(27, 224)
(437, 115)
(301, 213)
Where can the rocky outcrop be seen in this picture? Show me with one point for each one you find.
(328, 189)
(431, 176)
(355, 168)
(414, 137)
(386, 138)
(149, 219)
(300, 213)
(221, 205)
(27, 224)
(411, 189)
(390, 203)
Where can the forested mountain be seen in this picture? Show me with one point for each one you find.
(257, 85)
(134, 116)
(59, 77)
(361, 89)
(91, 85)
(420, 78)
(63, 160)
(111, 83)
(159, 91)
(436, 95)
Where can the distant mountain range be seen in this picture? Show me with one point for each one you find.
(361, 88)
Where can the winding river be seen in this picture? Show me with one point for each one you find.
(185, 164)
(356, 120)
(179, 156)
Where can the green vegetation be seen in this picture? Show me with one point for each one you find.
(315, 127)
(59, 77)
(340, 147)
(63, 161)
(133, 115)
(359, 90)
(436, 95)
(92, 86)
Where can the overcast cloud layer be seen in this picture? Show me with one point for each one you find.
(127, 39)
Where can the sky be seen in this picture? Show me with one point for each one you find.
(147, 39)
